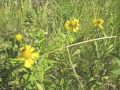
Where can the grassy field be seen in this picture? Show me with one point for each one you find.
(60, 45)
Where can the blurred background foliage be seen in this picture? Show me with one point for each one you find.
(95, 65)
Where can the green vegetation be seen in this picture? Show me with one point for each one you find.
(87, 59)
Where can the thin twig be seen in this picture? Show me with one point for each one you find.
(73, 68)
(91, 40)
(87, 41)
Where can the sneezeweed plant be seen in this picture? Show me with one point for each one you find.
(28, 55)
(19, 37)
(72, 25)
(98, 23)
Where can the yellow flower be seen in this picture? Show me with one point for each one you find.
(72, 25)
(98, 23)
(19, 37)
(29, 55)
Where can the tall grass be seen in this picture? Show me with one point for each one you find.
(86, 60)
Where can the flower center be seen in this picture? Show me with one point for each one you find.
(27, 54)
(73, 25)
(99, 22)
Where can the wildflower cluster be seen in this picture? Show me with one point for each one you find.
(27, 53)
(74, 25)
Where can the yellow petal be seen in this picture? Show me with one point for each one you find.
(76, 20)
(28, 63)
(101, 21)
(28, 46)
(35, 55)
(100, 26)
(95, 22)
(75, 30)
(32, 49)
(67, 24)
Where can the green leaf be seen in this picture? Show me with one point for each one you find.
(105, 77)
(115, 73)
(110, 48)
(39, 86)
(61, 81)
(117, 61)
(76, 52)
(32, 78)
(91, 79)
